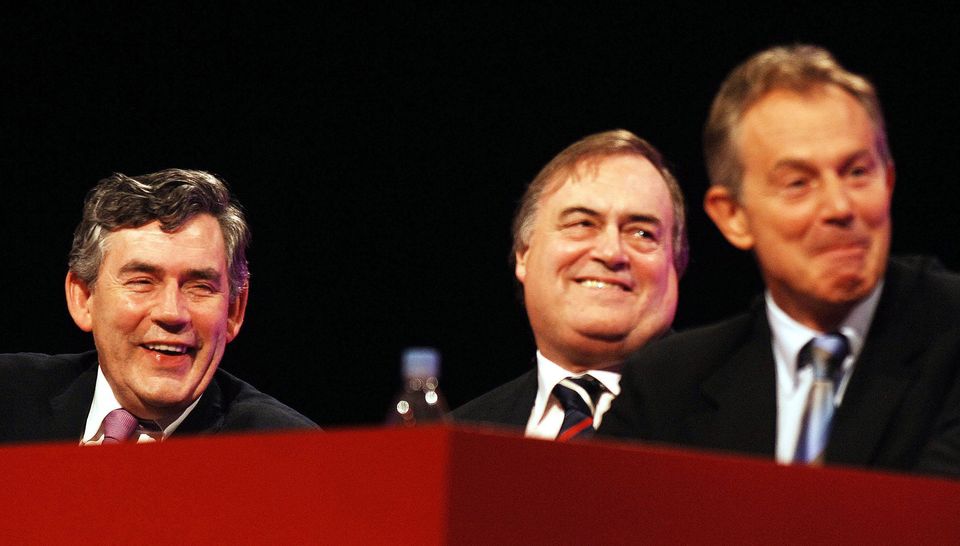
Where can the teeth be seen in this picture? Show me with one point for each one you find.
(595, 284)
(179, 349)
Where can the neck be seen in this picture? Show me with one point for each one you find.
(578, 364)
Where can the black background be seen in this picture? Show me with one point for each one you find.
(380, 149)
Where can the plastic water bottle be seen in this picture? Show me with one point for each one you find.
(420, 401)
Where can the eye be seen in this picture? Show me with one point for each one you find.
(202, 288)
(139, 284)
(642, 236)
(860, 171)
(797, 186)
(578, 228)
(582, 223)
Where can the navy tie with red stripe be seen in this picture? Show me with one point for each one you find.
(578, 396)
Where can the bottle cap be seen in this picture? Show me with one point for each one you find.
(421, 362)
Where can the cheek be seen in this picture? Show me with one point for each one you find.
(783, 225)
(555, 257)
(656, 271)
(211, 323)
(116, 317)
(876, 212)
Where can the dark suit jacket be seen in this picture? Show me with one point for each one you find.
(715, 387)
(507, 406)
(48, 397)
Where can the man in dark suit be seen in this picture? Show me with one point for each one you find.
(158, 274)
(599, 243)
(851, 357)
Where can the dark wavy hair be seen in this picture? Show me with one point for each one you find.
(171, 197)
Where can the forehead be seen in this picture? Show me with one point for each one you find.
(197, 243)
(816, 124)
(628, 184)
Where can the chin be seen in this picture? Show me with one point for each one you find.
(606, 335)
(165, 396)
(165, 401)
(850, 288)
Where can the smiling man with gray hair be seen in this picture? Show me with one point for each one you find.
(599, 246)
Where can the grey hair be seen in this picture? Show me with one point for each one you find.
(171, 197)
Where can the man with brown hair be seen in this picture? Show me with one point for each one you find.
(851, 357)
(158, 275)
(599, 244)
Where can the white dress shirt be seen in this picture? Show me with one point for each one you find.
(789, 336)
(104, 402)
(546, 417)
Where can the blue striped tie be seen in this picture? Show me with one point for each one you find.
(578, 396)
(826, 354)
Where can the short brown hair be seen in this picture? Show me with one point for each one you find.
(799, 68)
(595, 147)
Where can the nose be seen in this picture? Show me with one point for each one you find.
(170, 310)
(609, 249)
(836, 207)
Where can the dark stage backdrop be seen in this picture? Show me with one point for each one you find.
(380, 151)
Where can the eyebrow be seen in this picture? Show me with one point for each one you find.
(205, 274)
(578, 210)
(804, 165)
(141, 267)
(202, 274)
(858, 156)
(590, 212)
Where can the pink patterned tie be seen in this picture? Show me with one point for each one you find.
(118, 426)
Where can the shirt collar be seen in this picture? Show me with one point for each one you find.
(789, 336)
(550, 373)
(104, 401)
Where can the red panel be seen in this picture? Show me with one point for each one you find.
(441, 485)
(357, 487)
(613, 493)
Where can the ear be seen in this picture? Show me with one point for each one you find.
(236, 312)
(520, 270)
(727, 213)
(78, 301)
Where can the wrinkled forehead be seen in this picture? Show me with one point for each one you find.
(620, 187)
(810, 91)
(587, 169)
(199, 240)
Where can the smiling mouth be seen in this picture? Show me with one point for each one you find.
(601, 285)
(167, 349)
(845, 251)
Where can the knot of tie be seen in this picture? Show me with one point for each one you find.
(826, 354)
(119, 426)
(578, 396)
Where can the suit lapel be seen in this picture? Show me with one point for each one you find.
(519, 401)
(207, 416)
(519, 414)
(882, 374)
(69, 409)
(742, 392)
